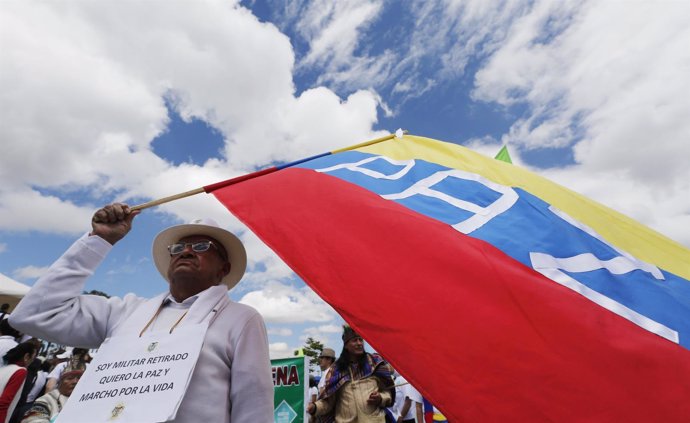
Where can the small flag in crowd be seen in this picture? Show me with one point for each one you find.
(432, 414)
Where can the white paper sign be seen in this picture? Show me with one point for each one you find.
(134, 380)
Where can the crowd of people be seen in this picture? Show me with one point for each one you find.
(360, 387)
(356, 387)
(34, 388)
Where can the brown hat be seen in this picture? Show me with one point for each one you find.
(327, 352)
(349, 333)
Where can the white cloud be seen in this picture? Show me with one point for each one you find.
(29, 272)
(83, 96)
(25, 209)
(62, 99)
(329, 334)
(279, 331)
(279, 350)
(623, 87)
(489, 147)
(612, 83)
(323, 331)
(3, 247)
(337, 47)
(280, 303)
(330, 328)
(333, 29)
(315, 122)
(317, 331)
(434, 41)
(445, 37)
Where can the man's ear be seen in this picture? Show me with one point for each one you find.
(225, 269)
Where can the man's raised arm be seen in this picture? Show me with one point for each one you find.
(55, 311)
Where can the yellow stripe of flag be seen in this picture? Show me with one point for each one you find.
(618, 229)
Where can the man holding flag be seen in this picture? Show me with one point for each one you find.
(230, 381)
(556, 301)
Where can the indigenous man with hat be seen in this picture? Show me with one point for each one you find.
(231, 381)
(358, 388)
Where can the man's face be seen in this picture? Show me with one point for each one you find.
(28, 358)
(68, 383)
(355, 346)
(205, 268)
(325, 362)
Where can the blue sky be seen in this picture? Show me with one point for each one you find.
(134, 101)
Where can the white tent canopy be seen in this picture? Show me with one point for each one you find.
(11, 291)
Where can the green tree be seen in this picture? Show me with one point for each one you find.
(312, 348)
(96, 292)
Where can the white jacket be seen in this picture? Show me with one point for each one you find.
(6, 373)
(232, 380)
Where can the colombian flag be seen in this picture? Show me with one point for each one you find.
(431, 415)
(498, 294)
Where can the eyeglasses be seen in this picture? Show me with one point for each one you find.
(197, 247)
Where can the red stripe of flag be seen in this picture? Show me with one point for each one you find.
(479, 334)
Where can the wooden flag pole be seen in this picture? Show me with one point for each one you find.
(167, 199)
(213, 187)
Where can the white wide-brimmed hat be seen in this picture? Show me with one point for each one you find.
(66, 354)
(233, 246)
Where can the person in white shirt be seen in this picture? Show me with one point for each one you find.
(313, 393)
(326, 359)
(398, 383)
(411, 403)
(232, 379)
(40, 383)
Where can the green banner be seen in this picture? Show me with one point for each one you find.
(290, 387)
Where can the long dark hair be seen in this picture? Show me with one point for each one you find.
(343, 361)
(18, 352)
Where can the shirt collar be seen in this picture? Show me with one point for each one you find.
(186, 303)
